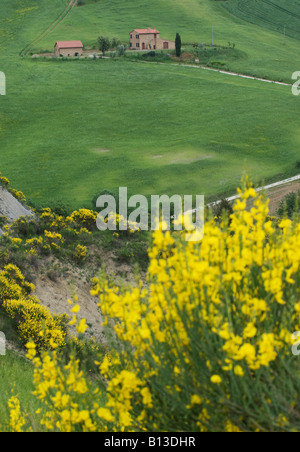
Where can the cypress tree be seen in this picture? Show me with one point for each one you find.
(178, 45)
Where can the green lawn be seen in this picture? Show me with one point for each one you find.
(69, 129)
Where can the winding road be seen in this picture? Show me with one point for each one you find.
(266, 187)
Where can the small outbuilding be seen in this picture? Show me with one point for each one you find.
(68, 48)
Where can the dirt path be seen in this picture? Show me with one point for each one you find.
(266, 187)
(236, 74)
(220, 71)
(277, 194)
(275, 191)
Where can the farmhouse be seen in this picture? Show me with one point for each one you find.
(68, 48)
(149, 39)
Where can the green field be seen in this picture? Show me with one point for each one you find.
(267, 54)
(273, 14)
(69, 129)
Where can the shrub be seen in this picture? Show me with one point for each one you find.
(13, 283)
(3, 220)
(102, 193)
(33, 320)
(205, 346)
(4, 182)
(83, 218)
(222, 209)
(121, 50)
(80, 253)
(19, 195)
(290, 205)
(151, 54)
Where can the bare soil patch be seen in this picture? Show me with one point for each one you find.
(101, 151)
(56, 283)
(277, 194)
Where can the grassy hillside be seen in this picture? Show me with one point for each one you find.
(267, 54)
(272, 14)
(151, 128)
(69, 129)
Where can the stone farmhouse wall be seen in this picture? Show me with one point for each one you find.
(151, 41)
(68, 52)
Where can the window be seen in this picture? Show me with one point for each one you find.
(138, 44)
(130, 36)
(131, 44)
(137, 36)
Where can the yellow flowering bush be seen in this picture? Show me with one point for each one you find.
(16, 242)
(83, 218)
(18, 194)
(4, 182)
(13, 284)
(69, 402)
(33, 320)
(80, 253)
(208, 343)
(51, 221)
(204, 346)
(121, 224)
(16, 420)
(49, 233)
(53, 240)
(80, 221)
(49, 241)
(37, 323)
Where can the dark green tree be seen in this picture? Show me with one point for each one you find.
(289, 205)
(222, 210)
(104, 44)
(178, 45)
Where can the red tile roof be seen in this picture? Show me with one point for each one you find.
(147, 31)
(69, 44)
